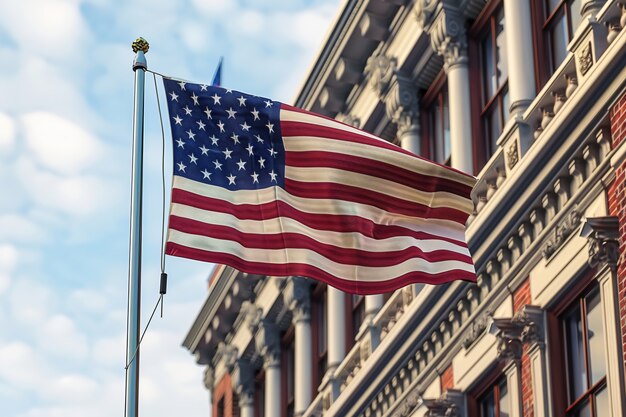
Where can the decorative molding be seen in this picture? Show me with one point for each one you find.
(448, 37)
(512, 155)
(602, 235)
(297, 296)
(525, 327)
(380, 70)
(477, 328)
(561, 232)
(585, 58)
(349, 119)
(450, 404)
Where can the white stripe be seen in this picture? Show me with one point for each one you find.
(420, 164)
(379, 185)
(345, 240)
(304, 256)
(440, 227)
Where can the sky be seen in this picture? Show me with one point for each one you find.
(66, 98)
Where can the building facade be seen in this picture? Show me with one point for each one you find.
(529, 96)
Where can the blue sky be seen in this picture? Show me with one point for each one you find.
(65, 137)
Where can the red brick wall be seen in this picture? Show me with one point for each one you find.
(617, 207)
(521, 297)
(224, 390)
(447, 379)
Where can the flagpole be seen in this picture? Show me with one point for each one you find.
(140, 47)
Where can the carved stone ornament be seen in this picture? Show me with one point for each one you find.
(424, 11)
(512, 155)
(380, 70)
(561, 233)
(525, 327)
(476, 329)
(602, 235)
(585, 60)
(349, 119)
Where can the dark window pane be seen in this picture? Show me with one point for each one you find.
(489, 72)
(595, 337)
(577, 376)
(488, 406)
(492, 126)
(558, 41)
(551, 5)
(504, 400)
(503, 72)
(582, 411)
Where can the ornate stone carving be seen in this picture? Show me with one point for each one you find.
(380, 70)
(349, 119)
(424, 11)
(447, 36)
(267, 343)
(561, 232)
(476, 329)
(585, 60)
(298, 298)
(525, 327)
(602, 235)
(450, 404)
(512, 155)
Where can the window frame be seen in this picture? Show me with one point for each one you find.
(433, 96)
(319, 301)
(287, 343)
(259, 393)
(493, 376)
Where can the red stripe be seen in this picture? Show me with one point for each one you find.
(375, 168)
(356, 287)
(328, 190)
(329, 222)
(292, 129)
(298, 241)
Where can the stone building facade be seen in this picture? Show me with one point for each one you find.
(529, 96)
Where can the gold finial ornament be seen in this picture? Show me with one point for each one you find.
(142, 45)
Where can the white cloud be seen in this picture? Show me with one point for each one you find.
(8, 260)
(31, 302)
(60, 144)
(21, 365)
(7, 134)
(59, 336)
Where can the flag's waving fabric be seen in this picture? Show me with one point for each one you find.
(271, 189)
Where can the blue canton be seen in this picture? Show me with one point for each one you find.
(225, 138)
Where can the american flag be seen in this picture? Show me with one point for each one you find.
(271, 189)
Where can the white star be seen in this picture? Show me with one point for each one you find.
(181, 144)
(187, 110)
(178, 120)
(203, 87)
(192, 135)
(273, 175)
(205, 150)
(182, 85)
(231, 113)
(255, 178)
(174, 96)
(217, 164)
(242, 101)
(268, 103)
(273, 152)
(235, 138)
(250, 149)
(241, 164)
(194, 97)
(213, 140)
(231, 179)
(258, 138)
(255, 113)
(245, 127)
(193, 159)
(181, 167)
(270, 126)
(227, 153)
(221, 126)
(206, 174)
(228, 90)
(262, 162)
(200, 125)
(208, 113)
(216, 99)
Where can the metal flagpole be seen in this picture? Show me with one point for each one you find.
(140, 47)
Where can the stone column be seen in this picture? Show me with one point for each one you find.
(399, 94)
(336, 328)
(297, 294)
(242, 377)
(447, 36)
(519, 46)
(267, 341)
(602, 235)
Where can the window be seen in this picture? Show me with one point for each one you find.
(494, 402)
(220, 407)
(562, 18)
(437, 121)
(493, 78)
(585, 363)
(319, 316)
(287, 367)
